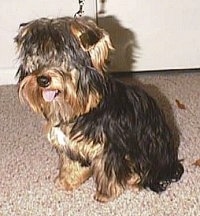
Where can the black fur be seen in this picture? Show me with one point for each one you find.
(135, 128)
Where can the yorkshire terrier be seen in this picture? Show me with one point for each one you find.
(99, 126)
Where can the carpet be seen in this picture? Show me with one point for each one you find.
(28, 163)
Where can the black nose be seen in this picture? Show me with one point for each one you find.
(44, 81)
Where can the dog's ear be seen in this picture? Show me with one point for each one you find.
(94, 40)
(22, 31)
(23, 25)
(21, 73)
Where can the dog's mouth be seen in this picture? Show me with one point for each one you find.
(50, 95)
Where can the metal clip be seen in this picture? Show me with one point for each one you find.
(80, 12)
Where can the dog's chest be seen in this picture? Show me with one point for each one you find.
(84, 148)
(57, 137)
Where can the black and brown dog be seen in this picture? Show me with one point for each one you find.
(99, 126)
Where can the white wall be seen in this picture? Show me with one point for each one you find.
(166, 31)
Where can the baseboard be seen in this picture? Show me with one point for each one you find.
(7, 76)
(167, 71)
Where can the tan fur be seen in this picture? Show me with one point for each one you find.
(107, 189)
(71, 174)
(68, 105)
(60, 139)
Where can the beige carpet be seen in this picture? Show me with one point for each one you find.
(28, 164)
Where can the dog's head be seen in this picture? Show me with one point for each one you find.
(62, 64)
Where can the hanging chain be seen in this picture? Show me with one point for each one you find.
(80, 12)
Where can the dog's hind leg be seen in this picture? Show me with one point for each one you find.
(107, 185)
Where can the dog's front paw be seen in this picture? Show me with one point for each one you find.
(103, 198)
(62, 184)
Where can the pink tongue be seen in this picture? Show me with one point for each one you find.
(49, 95)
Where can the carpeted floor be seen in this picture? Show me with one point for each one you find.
(28, 164)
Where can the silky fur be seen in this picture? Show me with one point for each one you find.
(99, 126)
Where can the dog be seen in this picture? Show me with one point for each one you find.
(100, 127)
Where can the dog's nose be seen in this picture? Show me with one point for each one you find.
(44, 81)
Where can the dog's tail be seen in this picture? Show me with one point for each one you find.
(165, 177)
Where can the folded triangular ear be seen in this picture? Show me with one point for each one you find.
(94, 40)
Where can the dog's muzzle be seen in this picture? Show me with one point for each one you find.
(48, 94)
(44, 81)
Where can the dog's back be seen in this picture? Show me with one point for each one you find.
(137, 136)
